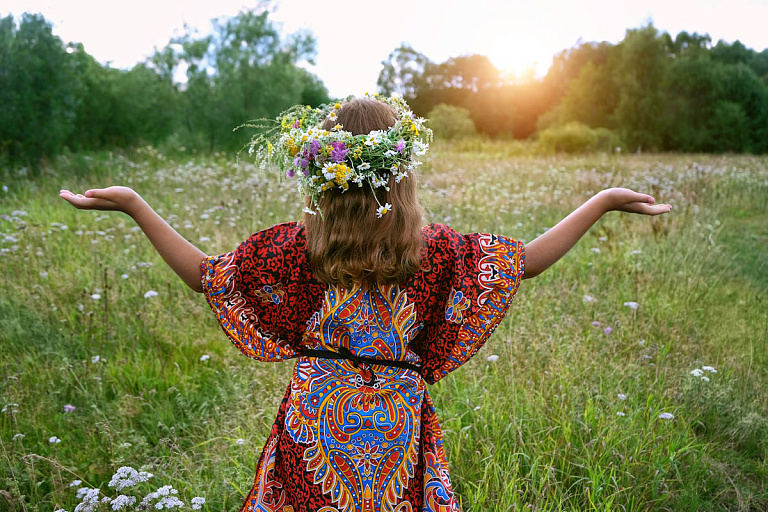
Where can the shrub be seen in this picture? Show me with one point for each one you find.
(575, 137)
(450, 122)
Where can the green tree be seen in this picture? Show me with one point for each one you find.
(245, 70)
(406, 72)
(640, 76)
(37, 84)
(592, 97)
(449, 122)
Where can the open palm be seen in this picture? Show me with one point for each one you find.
(626, 200)
(115, 198)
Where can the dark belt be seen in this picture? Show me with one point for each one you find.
(345, 353)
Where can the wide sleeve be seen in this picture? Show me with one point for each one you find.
(260, 292)
(467, 285)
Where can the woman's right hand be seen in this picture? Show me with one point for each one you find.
(122, 199)
(626, 200)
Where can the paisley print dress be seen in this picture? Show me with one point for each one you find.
(353, 436)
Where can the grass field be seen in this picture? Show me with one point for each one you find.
(567, 417)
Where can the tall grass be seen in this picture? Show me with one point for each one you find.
(536, 429)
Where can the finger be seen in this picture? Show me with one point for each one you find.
(95, 192)
(88, 203)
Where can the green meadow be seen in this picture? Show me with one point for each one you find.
(630, 376)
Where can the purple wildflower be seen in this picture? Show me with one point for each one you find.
(296, 124)
(69, 408)
(300, 162)
(339, 152)
(596, 323)
(400, 146)
(607, 330)
(314, 147)
(290, 173)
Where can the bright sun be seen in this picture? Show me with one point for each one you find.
(514, 55)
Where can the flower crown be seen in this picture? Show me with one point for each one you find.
(322, 160)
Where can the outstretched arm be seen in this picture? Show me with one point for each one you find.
(544, 251)
(183, 257)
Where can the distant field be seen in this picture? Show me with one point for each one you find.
(567, 417)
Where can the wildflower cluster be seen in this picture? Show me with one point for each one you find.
(321, 160)
(165, 498)
(699, 372)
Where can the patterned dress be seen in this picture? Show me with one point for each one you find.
(349, 436)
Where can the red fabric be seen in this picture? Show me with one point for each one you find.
(362, 437)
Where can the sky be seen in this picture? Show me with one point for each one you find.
(355, 36)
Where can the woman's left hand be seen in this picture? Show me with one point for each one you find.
(117, 198)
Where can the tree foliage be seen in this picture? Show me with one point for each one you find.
(649, 92)
(56, 95)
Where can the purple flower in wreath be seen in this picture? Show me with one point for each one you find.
(339, 152)
(303, 163)
(400, 146)
(290, 173)
(314, 147)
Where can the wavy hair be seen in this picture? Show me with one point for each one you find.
(353, 245)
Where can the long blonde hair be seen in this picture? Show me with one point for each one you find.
(353, 245)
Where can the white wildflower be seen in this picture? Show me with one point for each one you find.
(709, 369)
(44, 274)
(589, 298)
(54, 440)
(309, 211)
(95, 296)
(95, 359)
(124, 276)
(205, 357)
(90, 501)
(364, 166)
(622, 396)
(697, 372)
(169, 502)
(123, 501)
(493, 358)
(18, 437)
(603, 238)
(419, 148)
(619, 413)
(596, 250)
(383, 210)
(165, 490)
(126, 476)
(150, 293)
(705, 378)
(197, 503)
(635, 252)
(666, 416)
(75, 483)
(205, 239)
(240, 442)
(632, 305)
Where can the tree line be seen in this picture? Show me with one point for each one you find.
(650, 92)
(55, 95)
